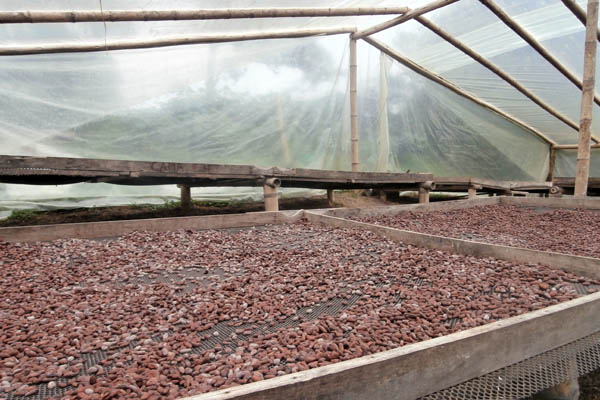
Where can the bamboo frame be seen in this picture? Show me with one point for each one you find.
(165, 42)
(353, 106)
(495, 69)
(578, 12)
(574, 146)
(589, 75)
(526, 36)
(406, 17)
(177, 15)
(438, 79)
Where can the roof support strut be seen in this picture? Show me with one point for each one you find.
(438, 79)
(526, 36)
(579, 12)
(406, 17)
(495, 69)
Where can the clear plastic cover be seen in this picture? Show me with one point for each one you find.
(285, 102)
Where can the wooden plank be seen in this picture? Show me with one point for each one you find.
(587, 204)
(89, 230)
(585, 266)
(199, 170)
(415, 370)
(395, 210)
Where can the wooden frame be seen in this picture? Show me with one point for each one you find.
(17, 17)
(579, 13)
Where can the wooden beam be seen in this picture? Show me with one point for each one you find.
(574, 146)
(16, 17)
(526, 36)
(578, 12)
(495, 69)
(438, 79)
(353, 106)
(165, 42)
(587, 97)
(406, 17)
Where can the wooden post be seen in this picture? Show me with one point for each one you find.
(186, 197)
(353, 106)
(424, 189)
(270, 194)
(423, 195)
(330, 198)
(587, 98)
(551, 164)
(472, 192)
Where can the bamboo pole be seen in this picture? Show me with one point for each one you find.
(353, 106)
(578, 12)
(526, 36)
(589, 73)
(574, 146)
(406, 17)
(438, 79)
(165, 42)
(495, 69)
(16, 17)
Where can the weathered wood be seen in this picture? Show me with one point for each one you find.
(15, 17)
(353, 106)
(186, 197)
(406, 17)
(496, 70)
(585, 266)
(585, 203)
(330, 198)
(165, 42)
(271, 197)
(579, 13)
(551, 164)
(18, 169)
(587, 98)
(438, 79)
(537, 46)
(423, 195)
(472, 192)
(88, 230)
(574, 146)
(412, 371)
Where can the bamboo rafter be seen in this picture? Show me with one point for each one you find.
(438, 79)
(15, 17)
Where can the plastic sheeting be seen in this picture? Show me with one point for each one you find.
(566, 161)
(285, 102)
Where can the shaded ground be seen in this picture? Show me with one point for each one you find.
(172, 209)
(590, 386)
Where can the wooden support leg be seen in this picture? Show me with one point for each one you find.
(382, 195)
(186, 197)
(330, 198)
(270, 194)
(423, 195)
(472, 192)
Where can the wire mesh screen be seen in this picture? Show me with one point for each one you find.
(530, 376)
